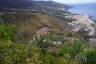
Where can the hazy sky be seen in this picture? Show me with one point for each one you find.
(75, 1)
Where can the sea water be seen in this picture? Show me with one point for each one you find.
(87, 9)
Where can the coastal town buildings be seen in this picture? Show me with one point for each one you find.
(82, 22)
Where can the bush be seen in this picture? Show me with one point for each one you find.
(7, 32)
(42, 43)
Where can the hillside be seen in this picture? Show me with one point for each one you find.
(27, 24)
(25, 4)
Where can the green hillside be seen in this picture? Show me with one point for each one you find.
(27, 24)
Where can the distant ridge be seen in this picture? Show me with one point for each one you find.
(25, 4)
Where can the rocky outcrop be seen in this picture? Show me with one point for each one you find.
(42, 31)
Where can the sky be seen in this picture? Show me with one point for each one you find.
(75, 1)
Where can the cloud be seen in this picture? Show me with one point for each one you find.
(75, 1)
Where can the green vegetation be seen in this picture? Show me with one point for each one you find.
(1, 20)
(67, 53)
(14, 53)
(7, 32)
(87, 57)
(69, 20)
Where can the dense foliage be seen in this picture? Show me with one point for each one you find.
(42, 53)
(7, 32)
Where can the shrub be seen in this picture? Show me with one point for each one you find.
(19, 54)
(42, 42)
(7, 32)
(87, 57)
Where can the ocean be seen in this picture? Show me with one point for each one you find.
(87, 9)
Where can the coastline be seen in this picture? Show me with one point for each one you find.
(85, 9)
(82, 14)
